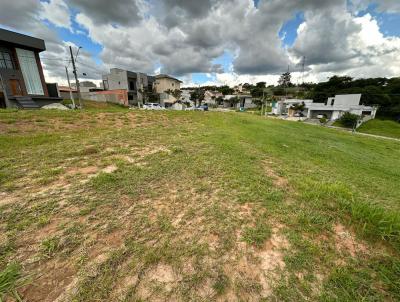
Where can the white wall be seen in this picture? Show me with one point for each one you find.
(347, 100)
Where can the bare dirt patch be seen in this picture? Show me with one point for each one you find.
(346, 242)
(272, 259)
(277, 180)
(161, 277)
(89, 170)
(6, 199)
(110, 169)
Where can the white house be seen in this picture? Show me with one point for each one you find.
(284, 106)
(332, 109)
(211, 96)
(244, 101)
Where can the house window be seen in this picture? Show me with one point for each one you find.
(132, 85)
(6, 61)
(30, 71)
(332, 102)
(172, 84)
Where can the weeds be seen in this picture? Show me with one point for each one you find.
(50, 246)
(195, 223)
(257, 235)
(11, 279)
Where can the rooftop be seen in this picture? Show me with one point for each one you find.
(21, 40)
(162, 76)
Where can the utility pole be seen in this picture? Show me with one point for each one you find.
(76, 77)
(303, 66)
(70, 89)
(286, 84)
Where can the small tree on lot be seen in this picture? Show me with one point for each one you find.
(197, 95)
(219, 100)
(349, 120)
(234, 100)
(299, 108)
(175, 93)
(323, 120)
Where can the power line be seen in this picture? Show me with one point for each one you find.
(92, 67)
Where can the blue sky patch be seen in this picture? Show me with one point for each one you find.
(288, 32)
(225, 60)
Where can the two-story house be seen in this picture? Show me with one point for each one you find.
(22, 82)
(164, 85)
(137, 85)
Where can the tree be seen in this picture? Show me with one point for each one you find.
(225, 90)
(219, 100)
(197, 95)
(261, 84)
(298, 108)
(233, 101)
(175, 93)
(285, 80)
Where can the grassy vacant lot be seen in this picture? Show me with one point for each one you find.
(119, 205)
(381, 127)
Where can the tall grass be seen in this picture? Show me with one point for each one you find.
(11, 279)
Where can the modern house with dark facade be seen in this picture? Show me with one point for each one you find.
(22, 82)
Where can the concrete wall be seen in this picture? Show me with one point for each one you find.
(66, 95)
(116, 79)
(347, 100)
(119, 96)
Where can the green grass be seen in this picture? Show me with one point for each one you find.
(258, 234)
(11, 279)
(381, 127)
(200, 205)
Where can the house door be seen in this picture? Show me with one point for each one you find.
(15, 87)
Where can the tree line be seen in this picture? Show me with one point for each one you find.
(381, 92)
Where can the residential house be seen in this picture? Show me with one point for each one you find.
(65, 92)
(242, 101)
(137, 85)
(22, 82)
(336, 106)
(85, 86)
(163, 85)
(285, 106)
(332, 109)
(210, 97)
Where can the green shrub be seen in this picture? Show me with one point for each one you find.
(348, 119)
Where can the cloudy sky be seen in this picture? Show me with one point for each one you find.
(214, 41)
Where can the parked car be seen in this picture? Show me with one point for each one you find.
(202, 108)
(153, 106)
